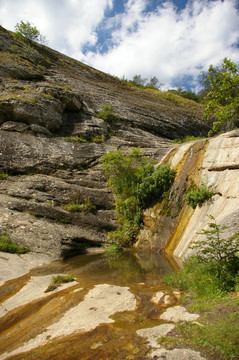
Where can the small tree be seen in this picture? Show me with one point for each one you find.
(222, 99)
(222, 254)
(29, 31)
(138, 80)
(154, 83)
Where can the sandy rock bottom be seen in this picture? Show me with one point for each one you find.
(99, 304)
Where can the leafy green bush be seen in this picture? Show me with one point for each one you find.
(197, 278)
(93, 139)
(155, 185)
(136, 184)
(7, 245)
(221, 254)
(187, 94)
(76, 139)
(197, 196)
(222, 83)
(208, 278)
(107, 113)
(214, 268)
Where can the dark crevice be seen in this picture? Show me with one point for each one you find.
(223, 168)
(77, 246)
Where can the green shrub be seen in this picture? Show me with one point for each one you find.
(136, 184)
(154, 186)
(214, 268)
(107, 113)
(196, 277)
(112, 249)
(96, 140)
(7, 245)
(197, 196)
(209, 278)
(220, 253)
(29, 31)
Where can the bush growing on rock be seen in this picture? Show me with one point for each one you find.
(197, 196)
(78, 206)
(136, 184)
(155, 185)
(107, 113)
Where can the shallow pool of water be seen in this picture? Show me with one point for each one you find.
(140, 272)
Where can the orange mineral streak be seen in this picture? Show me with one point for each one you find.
(166, 221)
(189, 172)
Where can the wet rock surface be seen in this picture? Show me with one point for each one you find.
(88, 318)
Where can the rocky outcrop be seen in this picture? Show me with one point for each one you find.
(51, 143)
(173, 225)
(220, 170)
(45, 175)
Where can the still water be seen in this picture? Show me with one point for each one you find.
(141, 272)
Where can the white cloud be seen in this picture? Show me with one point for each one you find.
(68, 24)
(171, 44)
(167, 43)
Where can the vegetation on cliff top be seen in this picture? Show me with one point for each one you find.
(221, 85)
(29, 31)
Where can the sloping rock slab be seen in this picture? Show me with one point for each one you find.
(99, 304)
(35, 289)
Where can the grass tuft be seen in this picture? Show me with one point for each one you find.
(7, 245)
(79, 207)
(58, 281)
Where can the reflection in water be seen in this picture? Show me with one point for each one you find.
(123, 268)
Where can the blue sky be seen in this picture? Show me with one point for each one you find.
(172, 40)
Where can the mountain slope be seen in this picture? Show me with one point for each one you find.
(46, 97)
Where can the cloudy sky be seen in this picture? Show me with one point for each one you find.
(172, 40)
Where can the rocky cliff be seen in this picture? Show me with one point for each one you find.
(48, 107)
(172, 225)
